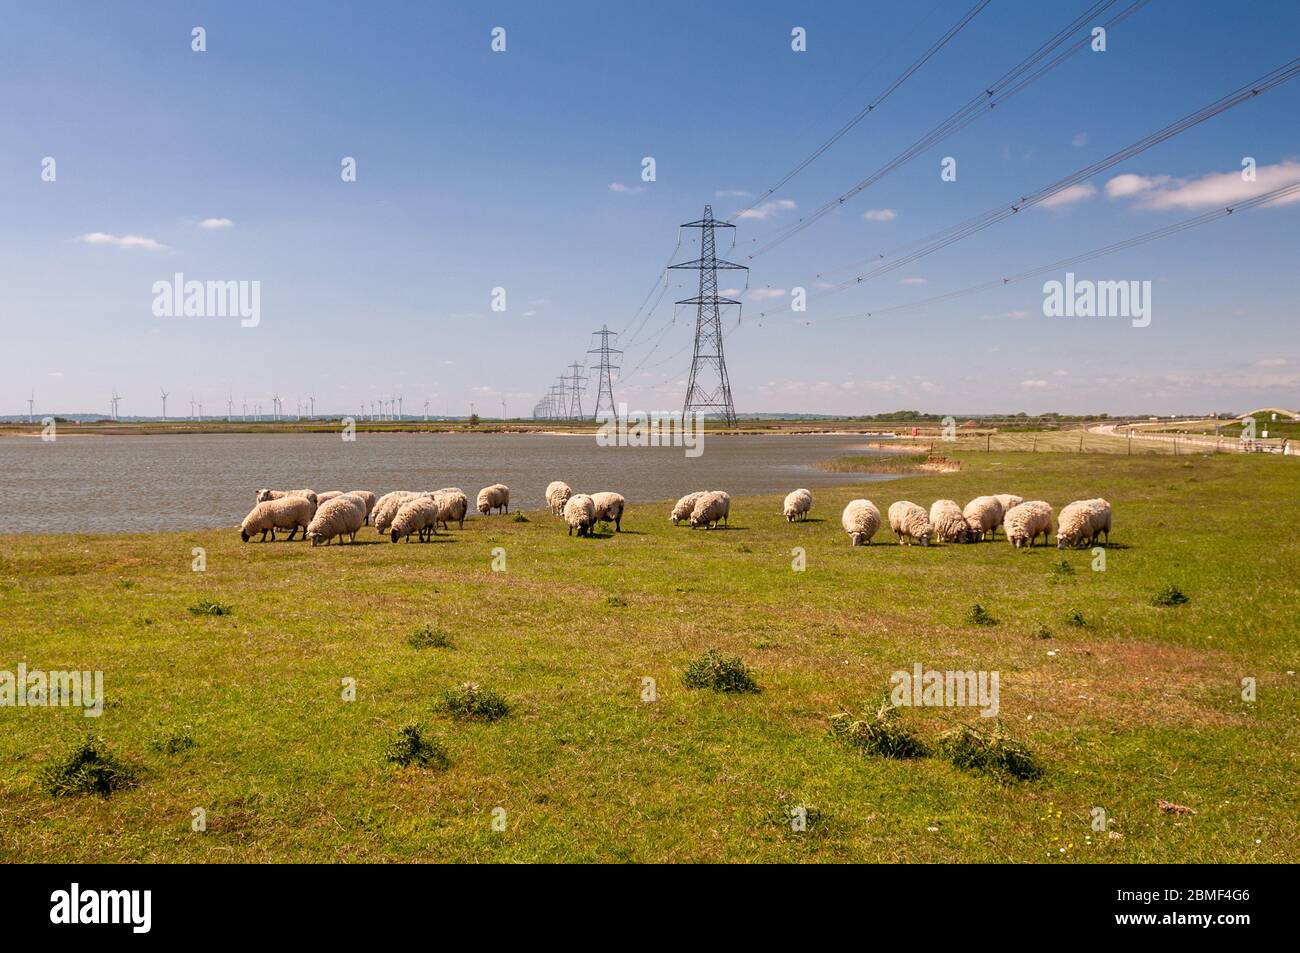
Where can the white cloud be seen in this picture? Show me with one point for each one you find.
(1270, 362)
(216, 223)
(1033, 385)
(121, 241)
(1070, 195)
(913, 281)
(1163, 192)
(768, 209)
(624, 189)
(762, 293)
(1080, 140)
(880, 214)
(732, 194)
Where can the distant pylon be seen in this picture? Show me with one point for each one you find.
(708, 327)
(605, 382)
(575, 381)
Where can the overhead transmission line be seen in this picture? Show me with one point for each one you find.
(869, 107)
(1029, 70)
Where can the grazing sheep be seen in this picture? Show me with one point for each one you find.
(417, 515)
(370, 501)
(796, 506)
(1025, 521)
(683, 508)
(341, 516)
(287, 512)
(1008, 500)
(580, 513)
(453, 504)
(496, 496)
(710, 509)
(387, 506)
(323, 498)
(264, 495)
(983, 517)
(609, 508)
(1082, 522)
(909, 522)
(947, 522)
(557, 494)
(860, 520)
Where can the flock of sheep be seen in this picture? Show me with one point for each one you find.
(324, 516)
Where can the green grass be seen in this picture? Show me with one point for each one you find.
(1142, 703)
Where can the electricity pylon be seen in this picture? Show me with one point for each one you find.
(575, 381)
(604, 369)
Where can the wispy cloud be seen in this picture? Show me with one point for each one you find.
(216, 223)
(768, 209)
(732, 194)
(1070, 195)
(121, 241)
(1033, 384)
(880, 214)
(1162, 192)
(760, 294)
(1080, 140)
(625, 189)
(913, 281)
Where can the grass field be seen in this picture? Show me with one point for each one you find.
(1137, 704)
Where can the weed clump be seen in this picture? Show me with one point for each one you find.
(991, 751)
(978, 615)
(881, 734)
(520, 518)
(411, 747)
(1170, 595)
(429, 637)
(210, 607)
(722, 674)
(1075, 618)
(472, 700)
(174, 742)
(88, 768)
(615, 601)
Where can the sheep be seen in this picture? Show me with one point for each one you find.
(453, 504)
(682, 509)
(1024, 521)
(370, 501)
(710, 509)
(1008, 500)
(1082, 522)
(860, 520)
(288, 512)
(496, 496)
(387, 506)
(265, 494)
(948, 525)
(323, 498)
(341, 516)
(417, 515)
(580, 513)
(983, 515)
(557, 494)
(609, 508)
(909, 522)
(796, 506)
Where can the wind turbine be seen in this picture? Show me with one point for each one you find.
(503, 408)
(244, 415)
(313, 406)
(426, 410)
(200, 411)
(31, 403)
(115, 399)
(399, 408)
(230, 405)
(275, 406)
(164, 399)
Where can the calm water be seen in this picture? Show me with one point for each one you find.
(156, 483)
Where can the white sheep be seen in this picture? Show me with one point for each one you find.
(287, 512)
(682, 508)
(267, 494)
(453, 504)
(341, 516)
(370, 501)
(323, 498)
(1082, 522)
(947, 522)
(496, 496)
(796, 506)
(710, 509)
(1025, 521)
(860, 520)
(1008, 500)
(387, 506)
(609, 508)
(417, 515)
(983, 516)
(557, 494)
(909, 522)
(580, 513)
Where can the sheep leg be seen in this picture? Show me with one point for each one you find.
(618, 525)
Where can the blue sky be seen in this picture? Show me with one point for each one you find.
(478, 170)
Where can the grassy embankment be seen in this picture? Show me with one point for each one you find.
(1139, 703)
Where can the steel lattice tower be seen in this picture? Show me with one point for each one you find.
(605, 385)
(708, 327)
(575, 380)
